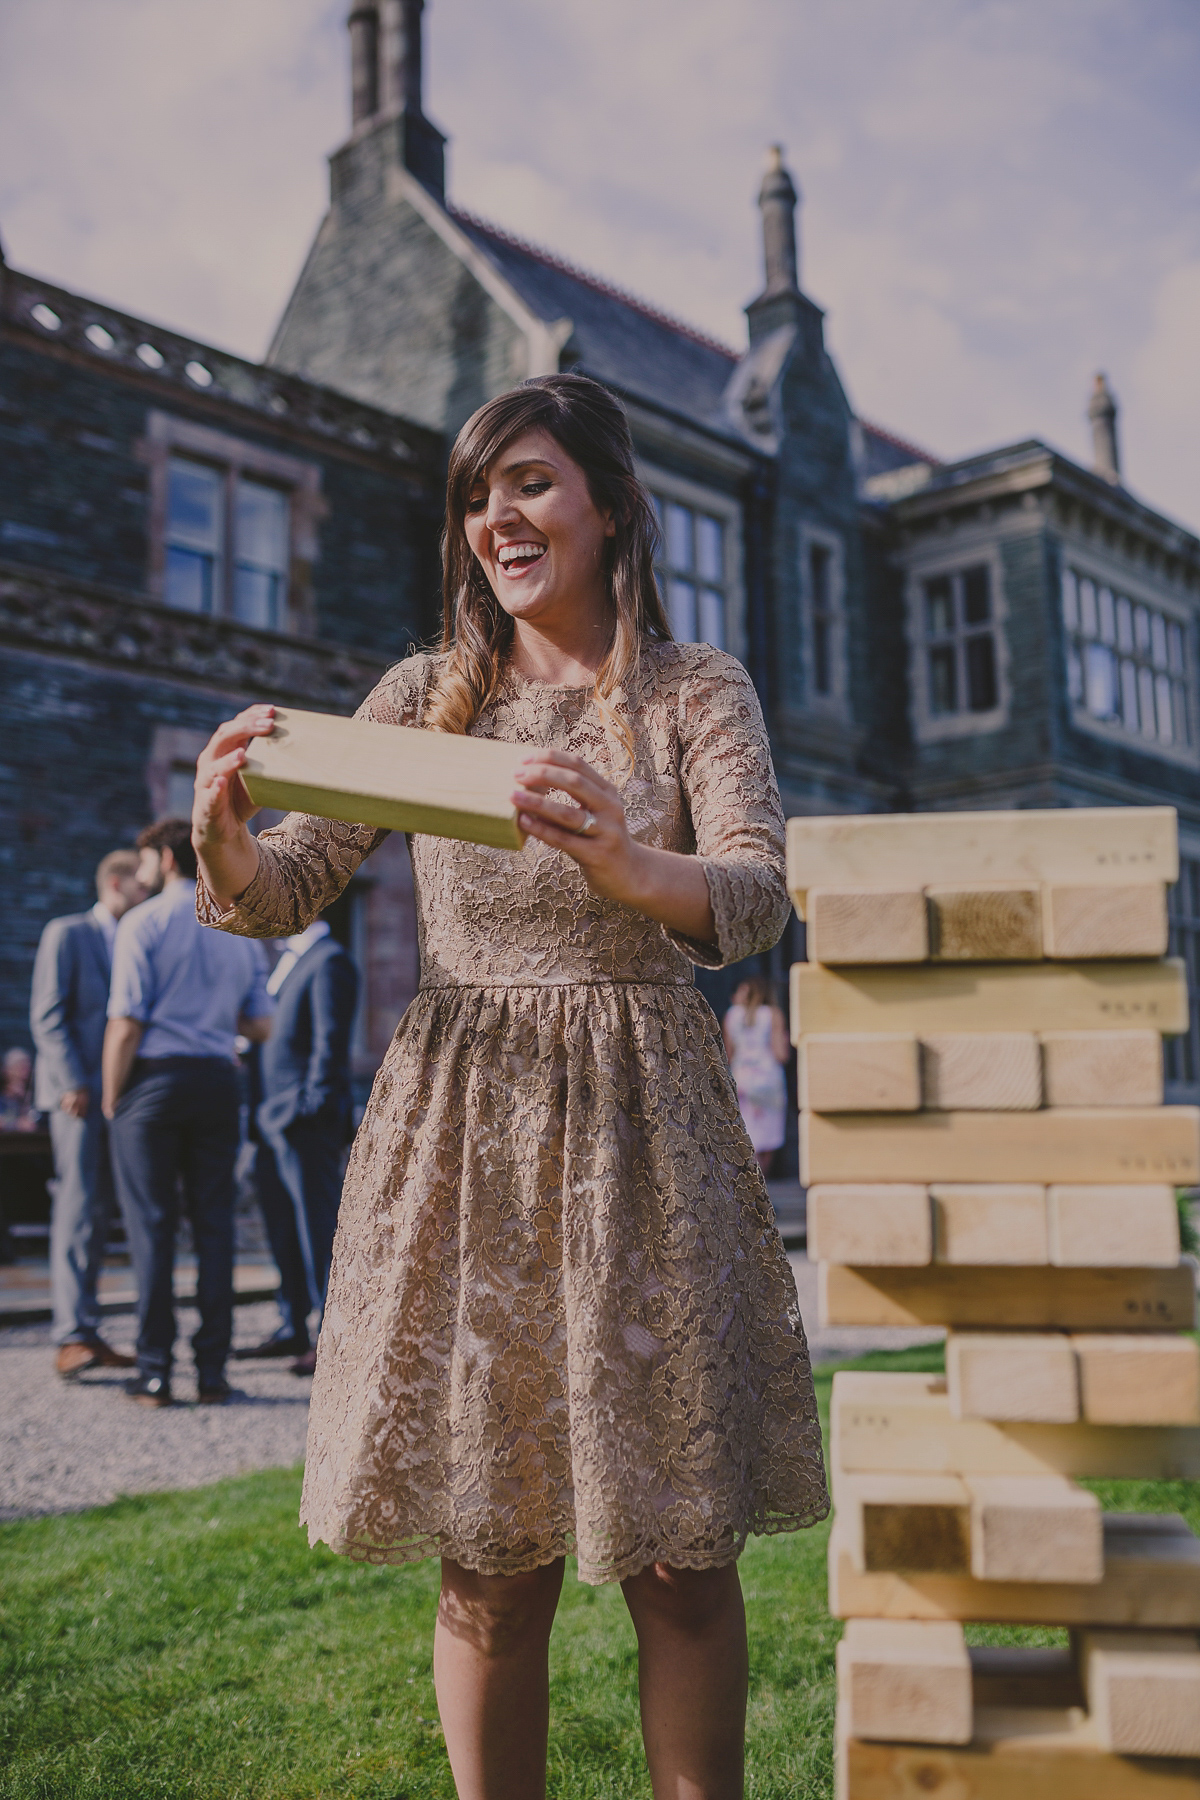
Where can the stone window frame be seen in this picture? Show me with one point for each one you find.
(1090, 561)
(168, 435)
(930, 727)
(726, 508)
(835, 703)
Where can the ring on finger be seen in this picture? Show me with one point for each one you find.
(587, 826)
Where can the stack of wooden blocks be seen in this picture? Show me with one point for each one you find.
(985, 1147)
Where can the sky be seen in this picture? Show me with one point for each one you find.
(1000, 197)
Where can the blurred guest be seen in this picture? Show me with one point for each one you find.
(67, 1016)
(17, 1111)
(306, 1119)
(756, 1043)
(180, 996)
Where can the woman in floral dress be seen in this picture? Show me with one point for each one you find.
(559, 1318)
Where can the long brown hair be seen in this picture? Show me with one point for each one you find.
(590, 425)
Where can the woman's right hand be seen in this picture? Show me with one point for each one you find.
(228, 854)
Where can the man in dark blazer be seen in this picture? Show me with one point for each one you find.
(67, 1017)
(306, 1117)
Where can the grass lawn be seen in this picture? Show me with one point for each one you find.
(192, 1645)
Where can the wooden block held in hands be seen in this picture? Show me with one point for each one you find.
(1096, 996)
(1058, 1144)
(1080, 922)
(1012, 1375)
(1030, 1528)
(989, 1222)
(908, 1679)
(993, 1299)
(1143, 1690)
(1094, 1225)
(1000, 923)
(1126, 1380)
(969, 1071)
(883, 1222)
(388, 775)
(857, 925)
(916, 1522)
(1074, 844)
(860, 1072)
(1102, 1068)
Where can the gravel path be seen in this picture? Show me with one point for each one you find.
(68, 1445)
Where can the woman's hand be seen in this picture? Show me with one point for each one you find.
(660, 883)
(227, 853)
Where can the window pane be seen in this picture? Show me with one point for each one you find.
(189, 580)
(1100, 678)
(818, 577)
(1146, 700)
(1162, 696)
(981, 672)
(193, 505)
(820, 644)
(942, 683)
(939, 607)
(1175, 646)
(1124, 624)
(681, 606)
(1129, 700)
(679, 536)
(710, 550)
(256, 597)
(1074, 674)
(1108, 621)
(1158, 639)
(977, 602)
(1070, 598)
(262, 526)
(1183, 723)
(1087, 606)
(712, 618)
(181, 790)
(1141, 629)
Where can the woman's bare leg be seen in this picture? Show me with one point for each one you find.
(692, 1677)
(491, 1672)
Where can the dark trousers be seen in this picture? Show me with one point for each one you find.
(177, 1124)
(279, 1216)
(308, 1155)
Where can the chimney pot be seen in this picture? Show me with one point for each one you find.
(1102, 411)
(777, 198)
(363, 23)
(401, 43)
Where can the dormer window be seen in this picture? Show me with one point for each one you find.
(1127, 662)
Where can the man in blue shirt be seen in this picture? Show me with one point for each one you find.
(180, 995)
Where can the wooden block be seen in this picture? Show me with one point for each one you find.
(1028, 1299)
(986, 1222)
(388, 775)
(1026, 1676)
(884, 1222)
(1147, 1380)
(1079, 922)
(1151, 1579)
(1012, 1375)
(902, 1424)
(905, 1678)
(1114, 1144)
(1095, 996)
(1031, 1528)
(856, 925)
(1102, 1068)
(998, 1071)
(1039, 1755)
(998, 923)
(860, 1072)
(1075, 844)
(1091, 1226)
(915, 1522)
(1143, 1690)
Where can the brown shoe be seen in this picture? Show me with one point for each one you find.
(73, 1359)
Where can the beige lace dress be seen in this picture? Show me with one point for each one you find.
(560, 1316)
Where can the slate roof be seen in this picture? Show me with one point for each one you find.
(637, 349)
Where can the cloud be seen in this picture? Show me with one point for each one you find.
(999, 197)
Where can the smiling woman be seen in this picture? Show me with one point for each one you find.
(560, 1316)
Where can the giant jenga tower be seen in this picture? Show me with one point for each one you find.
(985, 1147)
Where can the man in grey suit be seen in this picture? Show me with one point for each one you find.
(67, 1015)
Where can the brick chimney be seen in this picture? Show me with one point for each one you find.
(386, 82)
(1102, 411)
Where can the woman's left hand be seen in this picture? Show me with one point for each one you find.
(593, 831)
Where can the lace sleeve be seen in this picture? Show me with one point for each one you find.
(736, 813)
(305, 862)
